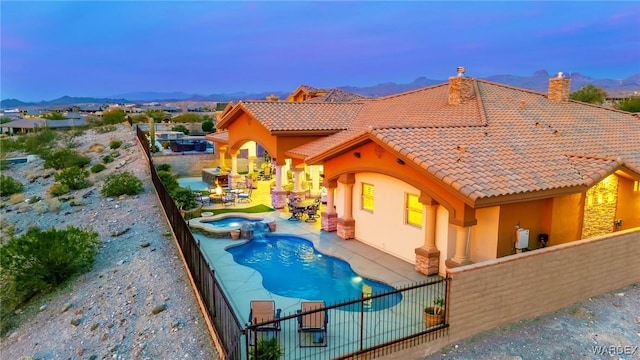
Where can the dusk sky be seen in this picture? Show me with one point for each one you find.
(98, 48)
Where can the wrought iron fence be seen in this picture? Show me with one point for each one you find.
(227, 326)
(371, 326)
(368, 327)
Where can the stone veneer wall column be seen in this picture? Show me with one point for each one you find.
(278, 196)
(330, 217)
(346, 227)
(428, 256)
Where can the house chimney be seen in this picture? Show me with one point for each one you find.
(460, 87)
(559, 88)
(272, 97)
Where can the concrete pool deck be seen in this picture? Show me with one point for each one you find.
(245, 284)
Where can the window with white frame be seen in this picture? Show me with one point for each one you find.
(367, 197)
(413, 210)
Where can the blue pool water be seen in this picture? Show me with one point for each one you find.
(232, 221)
(194, 183)
(290, 266)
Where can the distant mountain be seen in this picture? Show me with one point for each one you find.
(63, 101)
(539, 81)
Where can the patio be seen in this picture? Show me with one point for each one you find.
(243, 284)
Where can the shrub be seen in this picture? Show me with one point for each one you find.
(208, 126)
(97, 168)
(164, 167)
(184, 198)
(40, 260)
(121, 184)
(107, 159)
(16, 198)
(181, 128)
(114, 144)
(10, 186)
(58, 189)
(266, 349)
(64, 158)
(40, 142)
(74, 177)
(114, 154)
(169, 180)
(104, 129)
(4, 164)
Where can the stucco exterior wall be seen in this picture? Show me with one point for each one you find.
(566, 219)
(385, 227)
(445, 238)
(628, 204)
(484, 236)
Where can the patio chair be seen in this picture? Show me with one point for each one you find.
(228, 199)
(312, 212)
(312, 324)
(201, 198)
(263, 317)
(245, 196)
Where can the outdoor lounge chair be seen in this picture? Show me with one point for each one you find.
(312, 324)
(263, 317)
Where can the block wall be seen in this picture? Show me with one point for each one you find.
(522, 286)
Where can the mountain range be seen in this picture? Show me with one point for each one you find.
(536, 82)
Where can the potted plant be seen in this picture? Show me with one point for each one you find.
(185, 200)
(434, 315)
(266, 349)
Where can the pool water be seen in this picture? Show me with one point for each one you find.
(194, 183)
(231, 222)
(290, 266)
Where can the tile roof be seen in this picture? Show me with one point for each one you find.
(301, 116)
(503, 141)
(218, 136)
(337, 95)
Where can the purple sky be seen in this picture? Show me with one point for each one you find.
(97, 48)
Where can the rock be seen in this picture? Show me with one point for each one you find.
(145, 244)
(65, 307)
(43, 307)
(75, 321)
(158, 309)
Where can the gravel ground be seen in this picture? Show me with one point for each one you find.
(602, 327)
(136, 302)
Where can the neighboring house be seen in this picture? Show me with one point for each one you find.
(30, 125)
(310, 93)
(451, 174)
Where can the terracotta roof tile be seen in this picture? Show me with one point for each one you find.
(302, 116)
(503, 141)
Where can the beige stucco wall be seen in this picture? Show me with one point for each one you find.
(445, 238)
(484, 236)
(385, 228)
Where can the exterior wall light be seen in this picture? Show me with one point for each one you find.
(357, 154)
(400, 161)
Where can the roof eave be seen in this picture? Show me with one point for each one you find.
(353, 142)
(304, 132)
(528, 196)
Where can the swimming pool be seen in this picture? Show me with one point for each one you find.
(233, 222)
(290, 266)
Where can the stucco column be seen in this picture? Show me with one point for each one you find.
(346, 227)
(222, 150)
(315, 177)
(278, 195)
(296, 179)
(461, 256)
(428, 256)
(329, 216)
(278, 178)
(252, 164)
(234, 162)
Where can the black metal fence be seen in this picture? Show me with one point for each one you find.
(227, 326)
(368, 327)
(371, 326)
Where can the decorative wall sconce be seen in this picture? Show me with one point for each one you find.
(400, 161)
(357, 154)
